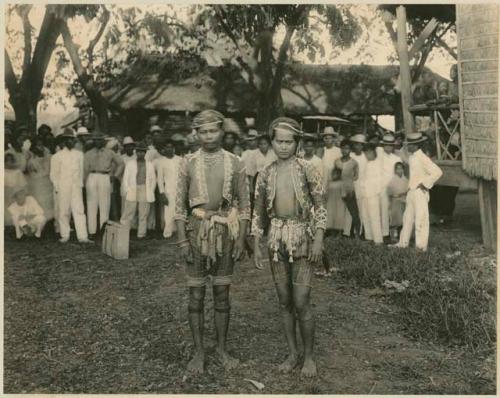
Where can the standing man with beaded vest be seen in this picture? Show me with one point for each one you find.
(213, 201)
(290, 193)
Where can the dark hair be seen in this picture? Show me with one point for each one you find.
(369, 147)
(44, 126)
(265, 138)
(308, 140)
(345, 142)
(168, 141)
(398, 164)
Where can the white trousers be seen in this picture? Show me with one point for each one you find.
(98, 197)
(361, 210)
(372, 221)
(56, 212)
(168, 215)
(416, 213)
(36, 223)
(384, 212)
(70, 201)
(128, 214)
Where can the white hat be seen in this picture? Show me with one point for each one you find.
(415, 138)
(329, 131)
(155, 128)
(82, 130)
(359, 138)
(112, 142)
(128, 140)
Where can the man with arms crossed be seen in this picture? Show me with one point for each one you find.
(289, 192)
(213, 200)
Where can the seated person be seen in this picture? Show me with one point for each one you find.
(27, 215)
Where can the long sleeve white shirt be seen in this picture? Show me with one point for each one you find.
(166, 172)
(66, 168)
(22, 214)
(372, 183)
(129, 182)
(422, 171)
(330, 155)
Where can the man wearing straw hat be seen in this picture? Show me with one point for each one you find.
(389, 160)
(102, 166)
(67, 176)
(290, 194)
(423, 175)
(213, 200)
(331, 154)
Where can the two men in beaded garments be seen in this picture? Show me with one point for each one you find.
(212, 213)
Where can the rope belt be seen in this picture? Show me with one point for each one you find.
(212, 231)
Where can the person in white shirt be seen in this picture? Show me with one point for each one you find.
(309, 146)
(167, 167)
(265, 154)
(66, 174)
(423, 175)
(389, 160)
(248, 157)
(139, 182)
(330, 154)
(27, 215)
(152, 153)
(127, 155)
(128, 149)
(83, 143)
(357, 141)
(371, 192)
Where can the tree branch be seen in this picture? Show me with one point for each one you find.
(243, 59)
(450, 50)
(23, 13)
(45, 45)
(72, 49)
(10, 77)
(393, 35)
(95, 40)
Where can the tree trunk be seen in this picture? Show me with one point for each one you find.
(98, 102)
(265, 71)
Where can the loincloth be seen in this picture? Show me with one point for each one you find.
(212, 238)
(289, 238)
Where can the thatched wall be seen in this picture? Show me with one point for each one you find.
(477, 28)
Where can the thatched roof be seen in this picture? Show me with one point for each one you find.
(307, 90)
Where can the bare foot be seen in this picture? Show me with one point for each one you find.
(197, 364)
(290, 363)
(227, 360)
(309, 368)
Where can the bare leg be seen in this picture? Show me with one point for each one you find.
(222, 315)
(285, 297)
(302, 301)
(196, 322)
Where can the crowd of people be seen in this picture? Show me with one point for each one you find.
(217, 190)
(81, 175)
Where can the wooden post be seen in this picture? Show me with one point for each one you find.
(404, 69)
(488, 208)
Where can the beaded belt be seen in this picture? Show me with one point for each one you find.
(290, 232)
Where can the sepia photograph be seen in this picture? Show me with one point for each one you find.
(250, 198)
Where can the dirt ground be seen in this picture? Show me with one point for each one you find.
(77, 321)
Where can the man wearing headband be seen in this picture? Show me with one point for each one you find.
(213, 200)
(289, 192)
(424, 173)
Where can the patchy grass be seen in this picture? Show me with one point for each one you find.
(77, 321)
